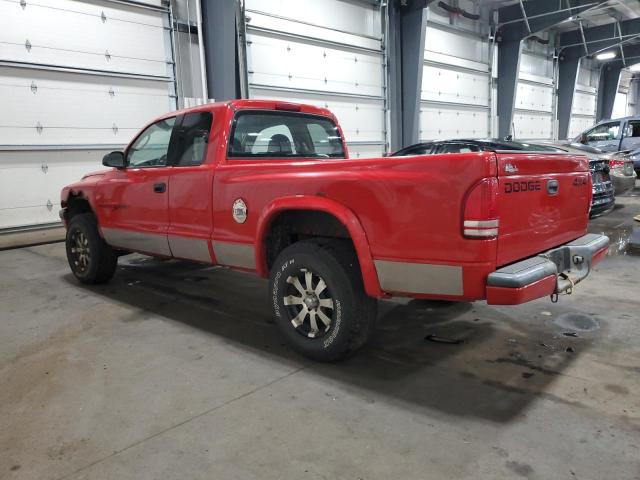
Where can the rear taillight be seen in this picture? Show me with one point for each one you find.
(616, 163)
(481, 210)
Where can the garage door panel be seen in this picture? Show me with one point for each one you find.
(325, 53)
(445, 85)
(438, 123)
(456, 44)
(584, 103)
(30, 182)
(355, 18)
(360, 119)
(533, 126)
(134, 45)
(63, 121)
(365, 151)
(579, 125)
(534, 97)
(110, 110)
(287, 64)
(278, 24)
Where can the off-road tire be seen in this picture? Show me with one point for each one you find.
(354, 313)
(102, 260)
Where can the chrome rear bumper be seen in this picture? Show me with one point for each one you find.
(555, 271)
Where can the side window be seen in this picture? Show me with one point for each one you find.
(606, 131)
(193, 137)
(151, 147)
(275, 134)
(632, 129)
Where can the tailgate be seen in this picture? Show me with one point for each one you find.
(544, 201)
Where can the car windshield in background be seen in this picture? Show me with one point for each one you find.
(264, 134)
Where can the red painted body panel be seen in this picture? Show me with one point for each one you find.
(397, 209)
(531, 220)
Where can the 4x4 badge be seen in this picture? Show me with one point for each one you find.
(239, 211)
(510, 168)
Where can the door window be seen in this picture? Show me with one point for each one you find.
(632, 129)
(192, 138)
(151, 147)
(264, 134)
(604, 132)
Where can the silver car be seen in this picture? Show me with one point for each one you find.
(621, 171)
(612, 135)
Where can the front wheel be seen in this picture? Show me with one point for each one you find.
(90, 258)
(319, 300)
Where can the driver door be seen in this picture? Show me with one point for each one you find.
(134, 201)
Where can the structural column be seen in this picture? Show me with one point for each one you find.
(567, 78)
(220, 45)
(607, 90)
(508, 68)
(407, 28)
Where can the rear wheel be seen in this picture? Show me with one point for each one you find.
(90, 258)
(319, 300)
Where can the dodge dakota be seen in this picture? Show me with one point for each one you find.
(268, 187)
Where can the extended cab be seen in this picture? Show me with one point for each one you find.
(267, 187)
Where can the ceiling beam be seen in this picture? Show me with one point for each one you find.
(516, 22)
(597, 39)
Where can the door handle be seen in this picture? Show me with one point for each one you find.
(160, 187)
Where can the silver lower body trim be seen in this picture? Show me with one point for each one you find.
(239, 255)
(189, 248)
(137, 241)
(419, 278)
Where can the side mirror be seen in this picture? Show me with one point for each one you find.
(113, 159)
(584, 139)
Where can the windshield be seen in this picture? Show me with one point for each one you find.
(267, 134)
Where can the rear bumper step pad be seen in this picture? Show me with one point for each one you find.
(555, 271)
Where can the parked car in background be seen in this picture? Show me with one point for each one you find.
(621, 171)
(612, 135)
(603, 199)
(634, 156)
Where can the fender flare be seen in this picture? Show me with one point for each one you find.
(339, 211)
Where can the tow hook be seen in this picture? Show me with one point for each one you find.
(554, 297)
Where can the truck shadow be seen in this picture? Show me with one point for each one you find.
(461, 359)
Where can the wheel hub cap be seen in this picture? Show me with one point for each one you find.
(310, 304)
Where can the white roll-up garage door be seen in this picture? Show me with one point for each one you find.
(79, 78)
(326, 53)
(455, 96)
(534, 107)
(583, 109)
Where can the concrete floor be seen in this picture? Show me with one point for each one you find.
(173, 371)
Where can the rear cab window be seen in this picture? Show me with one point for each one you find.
(264, 134)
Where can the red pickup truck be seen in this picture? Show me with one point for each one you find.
(268, 187)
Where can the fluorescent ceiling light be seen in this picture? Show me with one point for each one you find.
(635, 68)
(606, 56)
